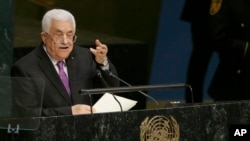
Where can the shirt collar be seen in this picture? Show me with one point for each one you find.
(54, 61)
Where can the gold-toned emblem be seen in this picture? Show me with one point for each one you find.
(215, 6)
(159, 128)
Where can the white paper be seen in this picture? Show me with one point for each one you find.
(107, 103)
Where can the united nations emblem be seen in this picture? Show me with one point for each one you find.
(215, 6)
(159, 128)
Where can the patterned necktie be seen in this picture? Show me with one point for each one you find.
(63, 76)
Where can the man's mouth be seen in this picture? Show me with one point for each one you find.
(63, 47)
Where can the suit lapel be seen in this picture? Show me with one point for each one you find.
(71, 68)
(50, 72)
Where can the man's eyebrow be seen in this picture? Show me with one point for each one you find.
(59, 31)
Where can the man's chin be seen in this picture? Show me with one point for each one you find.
(63, 56)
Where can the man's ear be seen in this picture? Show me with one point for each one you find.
(43, 37)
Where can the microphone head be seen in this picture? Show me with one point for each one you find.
(109, 73)
(98, 73)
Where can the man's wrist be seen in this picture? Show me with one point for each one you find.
(105, 62)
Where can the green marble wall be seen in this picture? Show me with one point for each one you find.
(6, 36)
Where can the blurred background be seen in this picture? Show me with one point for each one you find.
(148, 43)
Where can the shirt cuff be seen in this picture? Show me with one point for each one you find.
(105, 65)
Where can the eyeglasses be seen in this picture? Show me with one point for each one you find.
(58, 38)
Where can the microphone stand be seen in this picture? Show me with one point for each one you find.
(91, 104)
(99, 74)
(146, 95)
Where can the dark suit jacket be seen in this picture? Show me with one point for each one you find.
(81, 72)
(230, 29)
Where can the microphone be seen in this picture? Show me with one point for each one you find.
(99, 74)
(116, 77)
